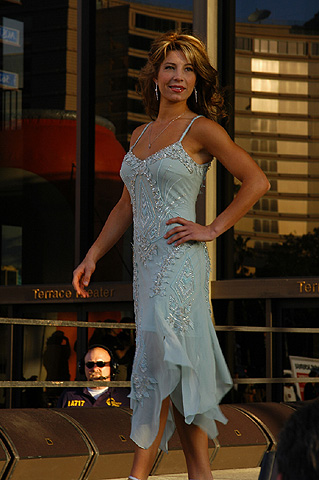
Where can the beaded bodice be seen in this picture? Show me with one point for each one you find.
(164, 185)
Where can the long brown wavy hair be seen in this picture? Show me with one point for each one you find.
(210, 101)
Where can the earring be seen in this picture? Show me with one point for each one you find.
(156, 91)
(195, 93)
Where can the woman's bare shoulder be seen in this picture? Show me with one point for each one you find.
(204, 130)
(206, 123)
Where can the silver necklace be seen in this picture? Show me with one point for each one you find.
(162, 131)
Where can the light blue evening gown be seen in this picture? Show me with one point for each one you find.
(177, 351)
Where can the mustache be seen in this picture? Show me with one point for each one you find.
(98, 377)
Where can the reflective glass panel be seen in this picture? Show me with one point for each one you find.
(280, 103)
(37, 142)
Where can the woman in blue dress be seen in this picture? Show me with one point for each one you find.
(179, 374)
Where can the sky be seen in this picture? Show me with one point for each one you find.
(282, 11)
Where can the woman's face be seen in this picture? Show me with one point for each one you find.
(176, 77)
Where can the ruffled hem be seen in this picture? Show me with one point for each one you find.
(194, 397)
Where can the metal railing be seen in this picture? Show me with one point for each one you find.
(56, 383)
(269, 380)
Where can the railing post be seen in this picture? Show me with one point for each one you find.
(269, 355)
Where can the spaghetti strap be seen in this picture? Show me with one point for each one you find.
(146, 126)
(188, 127)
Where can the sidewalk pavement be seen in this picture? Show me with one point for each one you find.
(235, 474)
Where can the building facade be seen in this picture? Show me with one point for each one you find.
(277, 122)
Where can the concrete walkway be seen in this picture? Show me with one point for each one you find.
(236, 474)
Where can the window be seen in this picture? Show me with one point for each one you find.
(153, 23)
(285, 127)
(257, 225)
(299, 207)
(10, 118)
(315, 49)
(265, 204)
(272, 166)
(266, 66)
(291, 186)
(267, 165)
(279, 86)
(274, 226)
(266, 226)
(279, 67)
(140, 43)
(270, 105)
(244, 43)
(292, 168)
(261, 145)
(292, 48)
(292, 148)
(264, 125)
(280, 47)
(136, 63)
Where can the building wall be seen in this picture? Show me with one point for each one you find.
(276, 121)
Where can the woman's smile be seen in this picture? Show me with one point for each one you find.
(177, 88)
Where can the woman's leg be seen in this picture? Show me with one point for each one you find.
(195, 447)
(144, 459)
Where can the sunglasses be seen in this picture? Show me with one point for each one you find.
(99, 364)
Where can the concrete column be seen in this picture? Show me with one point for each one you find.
(205, 25)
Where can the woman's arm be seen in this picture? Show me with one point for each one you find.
(115, 226)
(210, 137)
